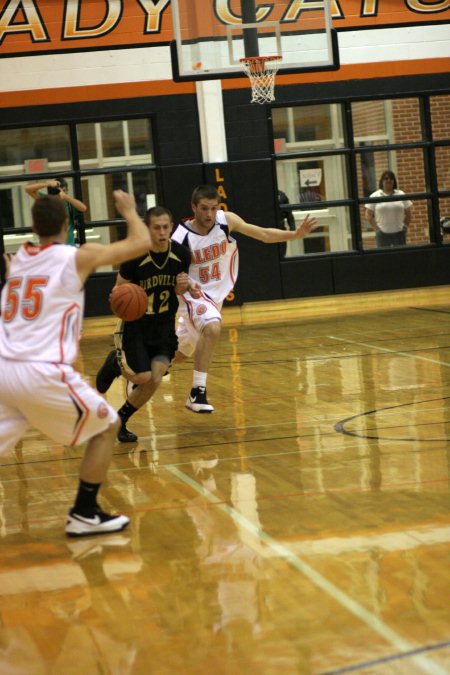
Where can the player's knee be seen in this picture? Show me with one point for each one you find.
(180, 356)
(212, 330)
(142, 378)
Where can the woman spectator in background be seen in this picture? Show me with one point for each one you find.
(390, 220)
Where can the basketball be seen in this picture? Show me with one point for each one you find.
(128, 301)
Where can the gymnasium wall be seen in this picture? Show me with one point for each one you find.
(77, 51)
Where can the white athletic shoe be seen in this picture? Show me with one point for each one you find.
(197, 401)
(98, 523)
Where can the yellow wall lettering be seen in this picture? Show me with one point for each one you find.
(31, 24)
(72, 15)
(153, 14)
(426, 7)
(225, 13)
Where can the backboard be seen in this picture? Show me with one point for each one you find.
(211, 36)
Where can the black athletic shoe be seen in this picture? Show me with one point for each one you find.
(125, 436)
(107, 373)
(97, 522)
(197, 401)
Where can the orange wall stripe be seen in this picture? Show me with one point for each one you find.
(98, 92)
(101, 92)
(358, 71)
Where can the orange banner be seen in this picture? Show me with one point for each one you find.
(37, 26)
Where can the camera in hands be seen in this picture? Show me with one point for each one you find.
(54, 190)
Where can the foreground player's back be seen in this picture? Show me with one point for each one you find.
(42, 299)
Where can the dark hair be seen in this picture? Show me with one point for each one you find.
(387, 174)
(155, 212)
(62, 182)
(204, 192)
(56, 190)
(49, 215)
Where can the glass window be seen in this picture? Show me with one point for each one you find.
(49, 147)
(440, 116)
(386, 121)
(116, 143)
(443, 167)
(444, 212)
(407, 165)
(307, 127)
(313, 180)
(98, 189)
(114, 146)
(390, 218)
(15, 205)
(408, 168)
(332, 234)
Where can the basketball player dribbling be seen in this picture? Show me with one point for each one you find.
(146, 347)
(41, 313)
(214, 264)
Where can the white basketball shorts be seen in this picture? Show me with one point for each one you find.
(193, 315)
(52, 398)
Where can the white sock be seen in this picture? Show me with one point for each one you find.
(199, 379)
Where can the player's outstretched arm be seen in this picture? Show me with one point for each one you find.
(136, 243)
(270, 235)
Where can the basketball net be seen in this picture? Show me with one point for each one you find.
(261, 71)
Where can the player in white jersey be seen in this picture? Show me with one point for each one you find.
(41, 313)
(214, 264)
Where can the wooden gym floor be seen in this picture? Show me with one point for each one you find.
(303, 528)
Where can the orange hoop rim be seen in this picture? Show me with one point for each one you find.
(260, 59)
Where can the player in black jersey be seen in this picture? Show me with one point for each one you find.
(146, 347)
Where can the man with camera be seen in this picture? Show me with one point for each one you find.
(59, 186)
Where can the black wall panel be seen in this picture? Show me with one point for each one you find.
(175, 121)
(403, 268)
(177, 184)
(98, 288)
(307, 277)
(253, 200)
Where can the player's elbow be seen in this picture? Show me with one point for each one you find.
(265, 237)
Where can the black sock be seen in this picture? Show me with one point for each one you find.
(86, 499)
(126, 411)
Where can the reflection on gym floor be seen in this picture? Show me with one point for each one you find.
(302, 528)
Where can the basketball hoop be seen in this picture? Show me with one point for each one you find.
(261, 71)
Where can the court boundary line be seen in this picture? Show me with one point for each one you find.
(390, 351)
(385, 659)
(310, 573)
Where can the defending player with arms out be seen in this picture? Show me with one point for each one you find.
(214, 264)
(41, 313)
(146, 347)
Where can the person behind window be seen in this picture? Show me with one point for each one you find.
(286, 220)
(310, 194)
(286, 215)
(59, 187)
(389, 220)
